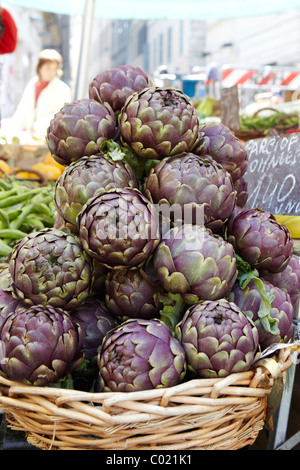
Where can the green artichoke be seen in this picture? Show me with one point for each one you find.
(195, 263)
(260, 240)
(115, 85)
(41, 345)
(78, 130)
(140, 355)
(248, 299)
(195, 187)
(86, 177)
(159, 122)
(223, 146)
(119, 228)
(218, 339)
(95, 321)
(131, 293)
(50, 267)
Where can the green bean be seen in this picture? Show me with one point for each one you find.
(17, 222)
(8, 193)
(12, 233)
(5, 250)
(4, 185)
(4, 219)
(32, 221)
(13, 213)
(13, 200)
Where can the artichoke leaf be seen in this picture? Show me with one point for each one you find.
(120, 153)
(173, 308)
(245, 274)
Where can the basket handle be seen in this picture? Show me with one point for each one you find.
(42, 179)
(265, 109)
(283, 118)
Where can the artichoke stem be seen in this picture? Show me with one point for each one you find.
(172, 310)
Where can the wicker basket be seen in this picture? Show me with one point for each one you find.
(200, 414)
(278, 129)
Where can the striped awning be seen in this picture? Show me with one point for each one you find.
(261, 77)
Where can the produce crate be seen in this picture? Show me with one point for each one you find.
(201, 414)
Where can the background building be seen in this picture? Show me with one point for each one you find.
(157, 46)
(177, 52)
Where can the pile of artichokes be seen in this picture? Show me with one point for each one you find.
(154, 272)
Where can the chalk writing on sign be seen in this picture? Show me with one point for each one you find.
(273, 174)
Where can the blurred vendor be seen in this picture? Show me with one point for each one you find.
(44, 95)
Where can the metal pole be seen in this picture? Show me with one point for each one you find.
(81, 90)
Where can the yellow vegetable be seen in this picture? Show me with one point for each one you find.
(292, 222)
(4, 168)
(51, 172)
(49, 160)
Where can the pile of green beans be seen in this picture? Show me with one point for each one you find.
(23, 209)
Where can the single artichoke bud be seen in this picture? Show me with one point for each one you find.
(85, 178)
(194, 262)
(115, 85)
(95, 321)
(221, 144)
(287, 280)
(241, 187)
(50, 267)
(140, 355)
(195, 187)
(41, 345)
(159, 122)
(79, 129)
(218, 339)
(248, 299)
(131, 293)
(260, 240)
(119, 228)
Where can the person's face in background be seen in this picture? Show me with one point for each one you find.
(48, 71)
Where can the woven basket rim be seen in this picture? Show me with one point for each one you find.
(201, 413)
(281, 357)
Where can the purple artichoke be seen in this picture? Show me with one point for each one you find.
(249, 299)
(115, 85)
(194, 262)
(218, 339)
(131, 293)
(261, 241)
(95, 321)
(241, 187)
(8, 305)
(86, 177)
(195, 187)
(79, 129)
(288, 279)
(50, 267)
(140, 355)
(159, 122)
(41, 345)
(220, 143)
(119, 228)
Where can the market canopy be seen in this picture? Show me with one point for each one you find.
(187, 9)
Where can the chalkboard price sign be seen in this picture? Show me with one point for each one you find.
(273, 174)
